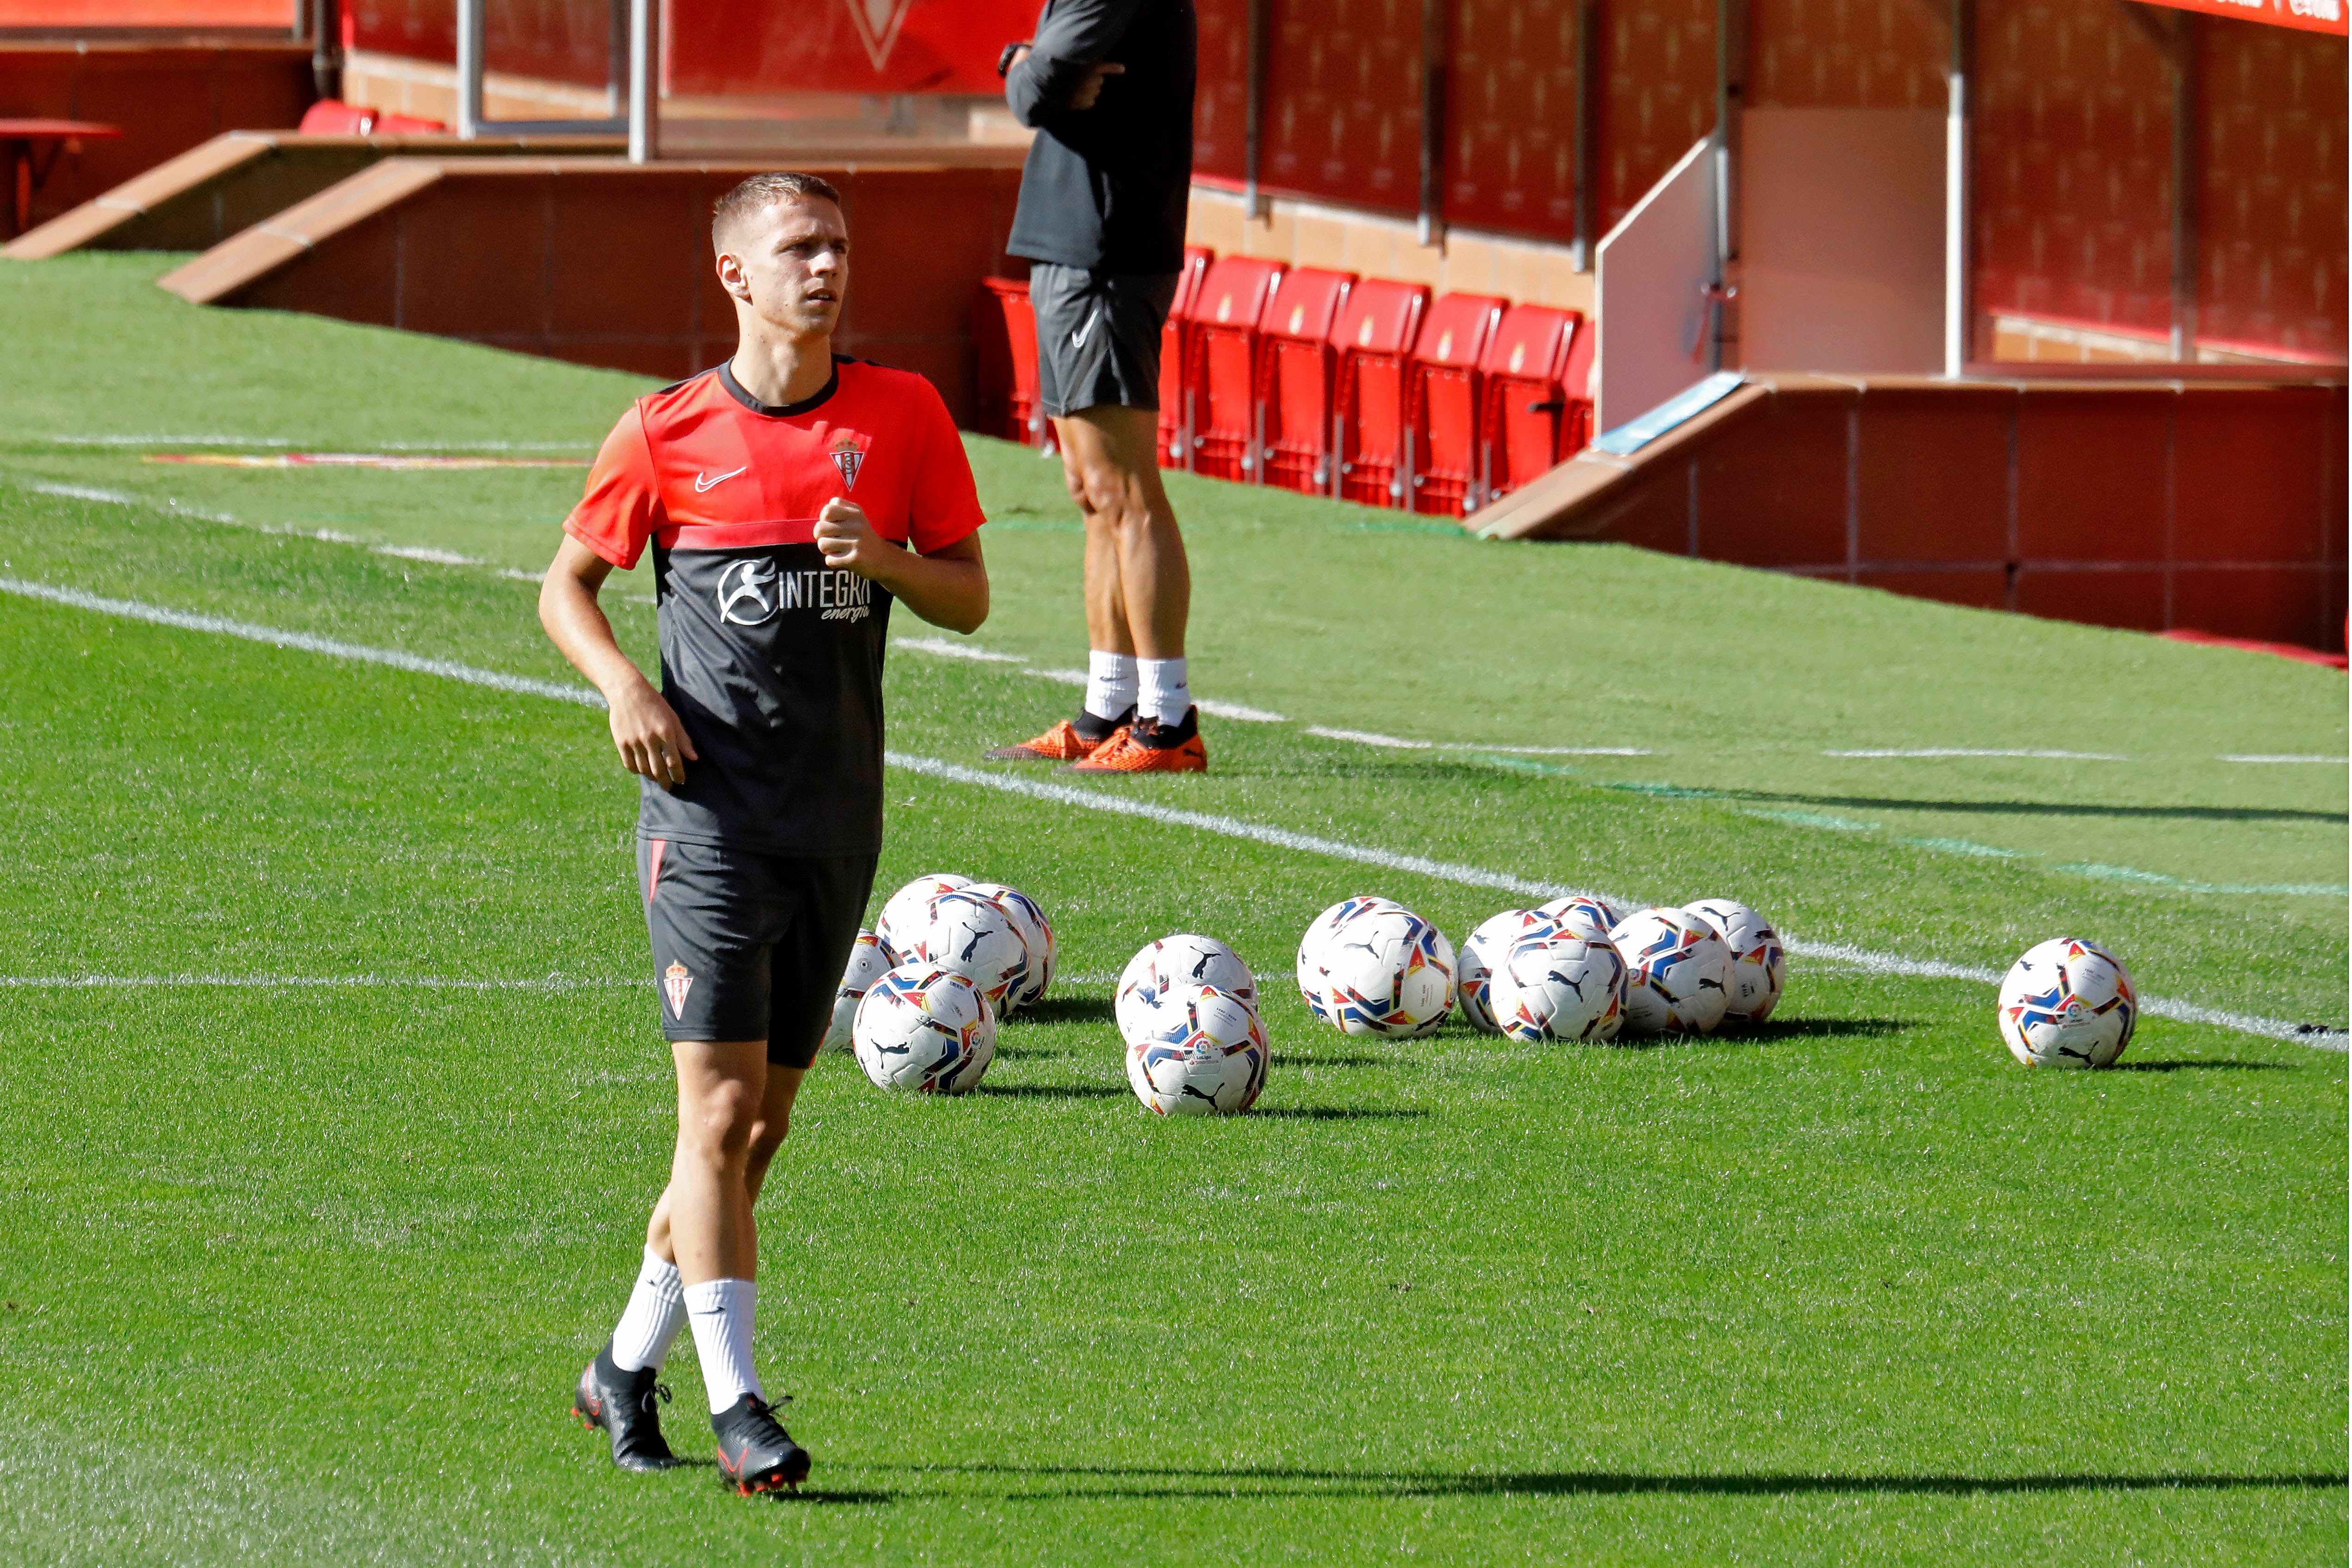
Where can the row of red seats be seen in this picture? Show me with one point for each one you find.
(1331, 385)
(333, 117)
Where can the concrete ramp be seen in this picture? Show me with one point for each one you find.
(241, 178)
(605, 262)
(2216, 503)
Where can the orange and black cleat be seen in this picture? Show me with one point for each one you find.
(1065, 742)
(1148, 746)
(755, 1453)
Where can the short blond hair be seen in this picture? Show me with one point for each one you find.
(761, 191)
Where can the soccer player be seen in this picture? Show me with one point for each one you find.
(1109, 86)
(780, 494)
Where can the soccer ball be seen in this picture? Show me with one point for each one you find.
(1759, 964)
(1679, 973)
(1171, 963)
(1551, 986)
(1203, 1054)
(1582, 916)
(1312, 981)
(974, 936)
(2067, 1004)
(868, 963)
(900, 924)
(1387, 971)
(925, 1029)
(1481, 951)
(1037, 939)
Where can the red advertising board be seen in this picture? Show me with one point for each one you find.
(843, 46)
(2311, 15)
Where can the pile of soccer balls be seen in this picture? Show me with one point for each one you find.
(947, 958)
(1572, 970)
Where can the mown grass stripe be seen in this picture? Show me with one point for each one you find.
(1091, 800)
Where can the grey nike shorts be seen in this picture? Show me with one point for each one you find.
(750, 946)
(1098, 336)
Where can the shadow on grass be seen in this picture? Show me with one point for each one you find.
(818, 1497)
(1338, 1113)
(1285, 1061)
(1810, 1029)
(1148, 1483)
(1068, 1010)
(1052, 1090)
(2217, 1065)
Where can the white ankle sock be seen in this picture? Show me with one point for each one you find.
(720, 1312)
(650, 1322)
(1110, 683)
(1163, 693)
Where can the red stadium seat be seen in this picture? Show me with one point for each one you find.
(1371, 337)
(1176, 362)
(1539, 409)
(1443, 392)
(1005, 346)
(1295, 362)
(408, 125)
(333, 117)
(1223, 381)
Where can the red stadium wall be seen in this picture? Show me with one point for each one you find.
(2271, 251)
(558, 40)
(195, 16)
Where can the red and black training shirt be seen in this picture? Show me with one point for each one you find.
(772, 660)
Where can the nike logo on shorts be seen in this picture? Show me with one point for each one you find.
(1078, 338)
(703, 482)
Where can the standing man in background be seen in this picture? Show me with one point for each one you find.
(1107, 86)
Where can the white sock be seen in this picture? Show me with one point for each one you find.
(720, 1312)
(656, 1312)
(1110, 683)
(1163, 694)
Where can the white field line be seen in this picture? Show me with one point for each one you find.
(285, 441)
(1121, 805)
(1370, 738)
(1550, 750)
(424, 552)
(303, 982)
(2257, 757)
(1980, 752)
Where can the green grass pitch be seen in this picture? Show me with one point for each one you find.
(332, 1103)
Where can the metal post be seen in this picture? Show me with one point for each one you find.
(470, 67)
(644, 82)
(1959, 293)
(1432, 230)
(1588, 117)
(1254, 111)
(2186, 123)
(1731, 96)
(327, 47)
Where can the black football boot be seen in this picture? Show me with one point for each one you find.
(624, 1403)
(755, 1453)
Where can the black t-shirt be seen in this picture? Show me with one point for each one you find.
(772, 660)
(1106, 188)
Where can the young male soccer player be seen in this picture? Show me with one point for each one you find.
(1109, 86)
(778, 492)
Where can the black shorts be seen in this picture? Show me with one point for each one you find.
(750, 946)
(1098, 336)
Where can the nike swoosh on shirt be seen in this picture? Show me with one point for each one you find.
(702, 484)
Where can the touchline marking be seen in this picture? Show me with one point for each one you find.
(1981, 752)
(1551, 750)
(288, 441)
(2258, 757)
(1091, 800)
(301, 982)
(131, 609)
(1370, 738)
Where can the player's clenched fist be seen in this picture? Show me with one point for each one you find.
(847, 541)
(651, 740)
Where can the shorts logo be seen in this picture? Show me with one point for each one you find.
(848, 457)
(747, 592)
(676, 983)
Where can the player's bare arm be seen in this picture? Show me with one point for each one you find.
(947, 587)
(645, 731)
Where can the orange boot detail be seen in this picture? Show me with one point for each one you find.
(1062, 744)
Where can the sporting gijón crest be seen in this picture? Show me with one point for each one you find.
(676, 983)
(848, 456)
(877, 23)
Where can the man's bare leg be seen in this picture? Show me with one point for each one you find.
(767, 1136)
(1139, 582)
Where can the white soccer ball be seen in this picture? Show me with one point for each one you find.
(868, 963)
(907, 911)
(974, 936)
(1171, 963)
(1205, 1054)
(1551, 986)
(1582, 916)
(2068, 1003)
(1481, 951)
(1678, 975)
(1759, 964)
(1313, 982)
(1389, 973)
(1036, 937)
(925, 1029)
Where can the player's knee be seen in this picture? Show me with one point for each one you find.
(721, 1124)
